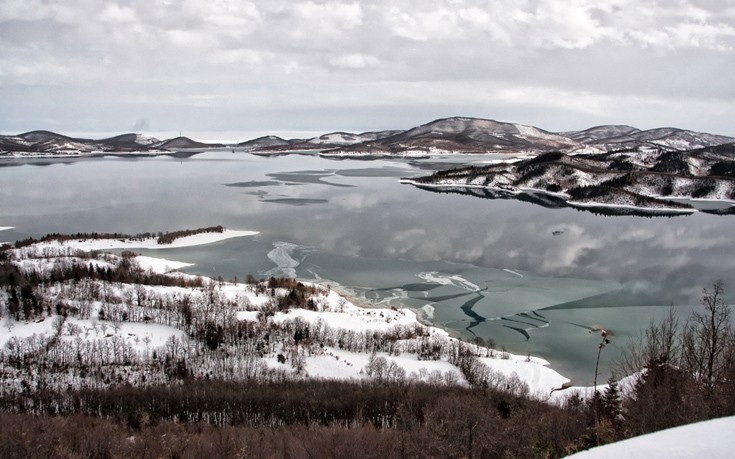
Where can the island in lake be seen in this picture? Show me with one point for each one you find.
(651, 180)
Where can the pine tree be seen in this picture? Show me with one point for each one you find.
(611, 401)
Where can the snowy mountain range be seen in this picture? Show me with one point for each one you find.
(472, 135)
(449, 135)
(51, 143)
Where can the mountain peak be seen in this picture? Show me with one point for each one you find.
(42, 136)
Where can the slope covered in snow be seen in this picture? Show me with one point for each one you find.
(708, 439)
(125, 316)
(658, 181)
(460, 134)
(600, 133)
(90, 244)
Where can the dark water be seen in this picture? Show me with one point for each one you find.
(533, 278)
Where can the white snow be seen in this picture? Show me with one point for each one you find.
(160, 265)
(10, 328)
(708, 439)
(89, 245)
(525, 131)
(534, 371)
(350, 317)
(515, 273)
(285, 264)
(455, 280)
(338, 138)
(141, 139)
(625, 206)
(144, 337)
(5, 228)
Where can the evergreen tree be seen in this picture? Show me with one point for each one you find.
(612, 402)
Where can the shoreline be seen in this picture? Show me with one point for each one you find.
(565, 197)
(151, 243)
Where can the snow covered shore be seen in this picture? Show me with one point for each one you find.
(89, 245)
(566, 197)
(332, 338)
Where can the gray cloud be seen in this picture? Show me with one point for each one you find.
(203, 64)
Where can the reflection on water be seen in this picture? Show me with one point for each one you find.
(551, 201)
(534, 276)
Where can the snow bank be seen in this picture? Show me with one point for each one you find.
(10, 328)
(147, 243)
(5, 228)
(627, 206)
(339, 364)
(160, 265)
(533, 371)
(709, 439)
(142, 336)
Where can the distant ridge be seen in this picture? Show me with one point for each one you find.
(42, 136)
(447, 135)
(599, 133)
(265, 141)
(185, 142)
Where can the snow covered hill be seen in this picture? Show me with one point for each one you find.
(474, 135)
(264, 142)
(653, 181)
(708, 439)
(469, 135)
(346, 138)
(598, 134)
(96, 319)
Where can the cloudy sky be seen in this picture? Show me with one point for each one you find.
(293, 65)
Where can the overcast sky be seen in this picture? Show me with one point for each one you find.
(292, 65)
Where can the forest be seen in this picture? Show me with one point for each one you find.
(229, 377)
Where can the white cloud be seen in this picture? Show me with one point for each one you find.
(189, 39)
(574, 58)
(310, 19)
(228, 14)
(235, 56)
(354, 61)
(120, 14)
(579, 101)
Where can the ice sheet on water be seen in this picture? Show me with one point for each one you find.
(449, 279)
(282, 256)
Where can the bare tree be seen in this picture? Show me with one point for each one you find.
(706, 337)
(660, 343)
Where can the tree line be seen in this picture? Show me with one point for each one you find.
(161, 237)
(402, 420)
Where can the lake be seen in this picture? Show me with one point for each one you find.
(531, 278)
